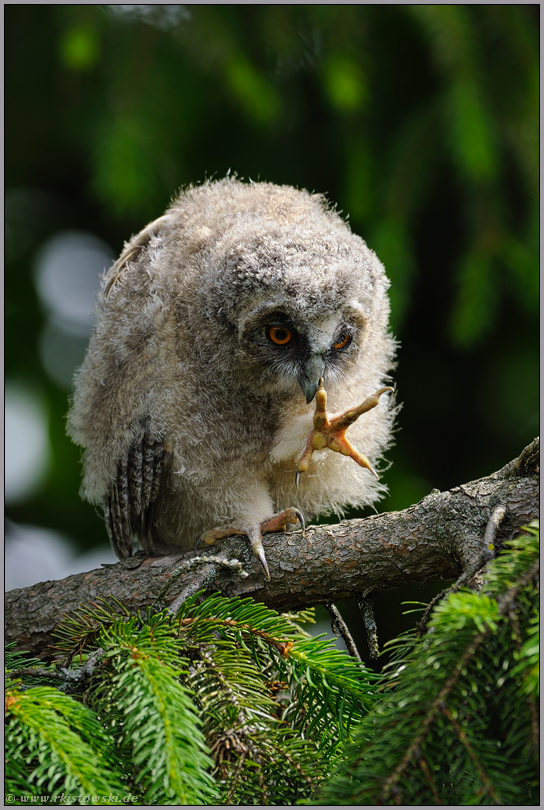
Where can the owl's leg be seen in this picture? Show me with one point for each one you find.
(277, 523)
(331, 432)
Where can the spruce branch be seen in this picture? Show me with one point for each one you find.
(439, 703)
(366, 606)
(463, 737)
(456, 716)
(160, 726)
(471, 571)
(424, 765)
(64, 744)
(242, 720)
(439, 538)
(339, 627)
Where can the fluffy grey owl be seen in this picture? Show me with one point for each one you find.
(214, 328)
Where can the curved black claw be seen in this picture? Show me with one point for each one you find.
(259, 553)
(301, 520)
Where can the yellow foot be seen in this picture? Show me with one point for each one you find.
(277, 523)
(331, 432)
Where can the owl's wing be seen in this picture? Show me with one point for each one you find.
(128, 504)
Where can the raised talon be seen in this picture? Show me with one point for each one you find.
(331, 432)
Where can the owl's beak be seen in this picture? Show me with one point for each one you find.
(310, 374)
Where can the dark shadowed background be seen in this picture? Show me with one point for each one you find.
(419, 121)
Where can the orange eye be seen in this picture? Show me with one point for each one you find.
(344, 340)
(280, 335)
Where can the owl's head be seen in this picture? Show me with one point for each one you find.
(292, 294)
(270, 287)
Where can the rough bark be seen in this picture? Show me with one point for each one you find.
(439, 538)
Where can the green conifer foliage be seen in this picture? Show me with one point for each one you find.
(226, 702)
(152, 716)
(229, 702)
(57, 746)
(458, 724)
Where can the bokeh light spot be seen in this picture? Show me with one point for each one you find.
(27, 450)
(67, 275)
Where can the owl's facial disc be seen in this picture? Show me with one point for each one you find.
(284, 347)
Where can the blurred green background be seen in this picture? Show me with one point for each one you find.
(419, 121)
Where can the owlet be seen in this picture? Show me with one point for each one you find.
(216, 329)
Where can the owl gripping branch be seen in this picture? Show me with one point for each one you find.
(331, 433)
(253, 289)
(277, 523)
(438, 538)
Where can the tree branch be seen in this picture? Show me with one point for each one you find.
(438, 538)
